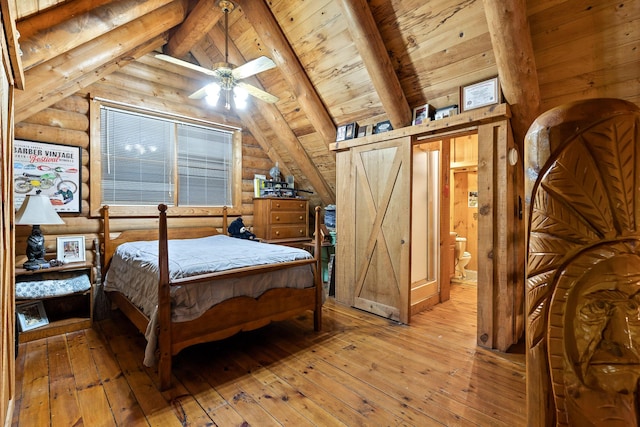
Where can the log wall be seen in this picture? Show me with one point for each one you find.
(67, 123)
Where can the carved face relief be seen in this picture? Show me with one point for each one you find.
(607, 326)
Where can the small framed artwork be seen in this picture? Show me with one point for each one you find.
(341, 133)
(480, 94)
(70, 249)
(362, 131)
(31, 315)
(444, 112)
(384, 126)
(422, 114)
(351, 130)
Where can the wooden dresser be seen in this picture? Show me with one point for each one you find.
(281, 220)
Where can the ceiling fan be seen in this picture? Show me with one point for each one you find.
(227, 75)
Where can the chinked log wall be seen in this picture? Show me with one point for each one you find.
(67, 123)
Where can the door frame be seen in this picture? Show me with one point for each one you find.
(442, 145)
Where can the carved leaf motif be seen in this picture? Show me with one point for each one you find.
(553, 217)
(539, 295)
(573, 181)
(613, 145)
(546, 252)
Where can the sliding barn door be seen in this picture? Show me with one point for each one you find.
(373, 220)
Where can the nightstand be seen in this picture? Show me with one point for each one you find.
(66, 296)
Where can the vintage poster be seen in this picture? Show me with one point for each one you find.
(51, 168)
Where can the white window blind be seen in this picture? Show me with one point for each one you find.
(141, 154)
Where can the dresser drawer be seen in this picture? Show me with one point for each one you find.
(288, 218)
(288, 205)
(287, 231)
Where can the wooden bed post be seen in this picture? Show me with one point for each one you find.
(164, 304)
(107, 251)
(224, 221)
(317, 312)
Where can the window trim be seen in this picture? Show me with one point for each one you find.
(95, 171)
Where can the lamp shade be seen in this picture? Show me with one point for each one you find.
(37, 210)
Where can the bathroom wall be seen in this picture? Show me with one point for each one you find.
(464, 181)
(465, 211)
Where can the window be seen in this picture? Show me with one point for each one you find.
(146, 160)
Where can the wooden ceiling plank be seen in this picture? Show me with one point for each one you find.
(260, 16)
(513, 49)
(277, 123)
(374, 54)
(49, 41)
(63, 91)
(198, 23)
(81, 64)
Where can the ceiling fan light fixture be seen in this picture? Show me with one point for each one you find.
(213, 93)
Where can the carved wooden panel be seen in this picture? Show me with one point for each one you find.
(583, 273)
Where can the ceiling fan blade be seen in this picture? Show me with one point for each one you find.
(259, 93)
(253, 67)
(185, 64)
(199, 94)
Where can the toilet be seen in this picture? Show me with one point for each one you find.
(462, 257)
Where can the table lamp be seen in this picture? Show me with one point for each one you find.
(36, 210)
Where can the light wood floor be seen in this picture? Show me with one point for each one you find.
(361, 370)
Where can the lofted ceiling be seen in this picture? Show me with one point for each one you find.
(337, 61)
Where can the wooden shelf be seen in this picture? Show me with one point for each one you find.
(57, 327)
(71, 312)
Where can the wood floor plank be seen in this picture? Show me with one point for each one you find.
(124, 407)
(63, 398)
(360, 369)
(92, 398)
(34, 407)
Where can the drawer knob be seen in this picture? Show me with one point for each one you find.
(277, 233)
(277, 205)
(301, 218)
(301, 231)
(277, 218)
(301, 205)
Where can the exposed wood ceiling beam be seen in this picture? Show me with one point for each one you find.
(198, 23)
(370, 45)
(44, 41)
(271, 35)
(277, 122)
(513, 49)
(9, 13)
(87, 63)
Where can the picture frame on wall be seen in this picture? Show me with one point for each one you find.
(31, 315)
(422, 114)
(70, 249)
(351, 130)
(480, 94)
(384, 126)
(52, 169)
(341, 133)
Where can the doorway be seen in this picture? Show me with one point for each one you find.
(444, 217)
(464, 207)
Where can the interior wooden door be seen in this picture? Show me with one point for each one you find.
(380, 180)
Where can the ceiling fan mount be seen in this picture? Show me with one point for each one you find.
(227, 75)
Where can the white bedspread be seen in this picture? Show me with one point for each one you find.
(134, 273)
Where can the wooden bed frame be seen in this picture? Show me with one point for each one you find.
(224, 319)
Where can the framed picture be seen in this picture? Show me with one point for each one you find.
(51, 168)
(70, 249)
(444, 112)
(351, 130)
(422, 114)
(479, 94)
(384, 126)
(341, 133)
(31, 315)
